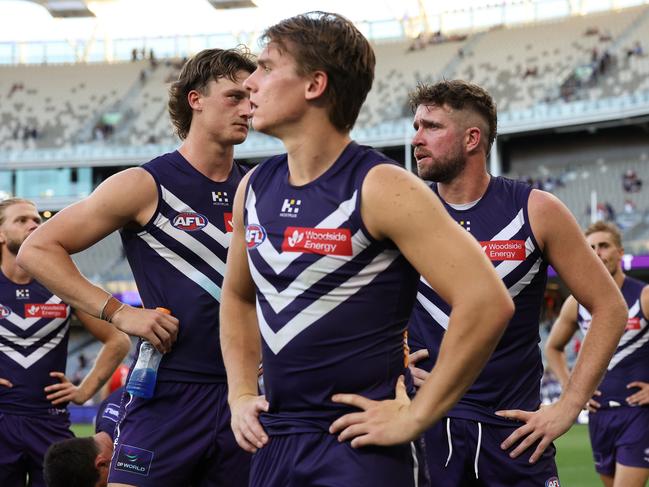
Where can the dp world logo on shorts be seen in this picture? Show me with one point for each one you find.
(552, 482)
(255, 235)
(189, 222)
(133, 459)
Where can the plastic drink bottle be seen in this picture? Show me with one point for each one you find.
(142, 381)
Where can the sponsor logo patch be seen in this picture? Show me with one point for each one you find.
(227, 219)
(255, 235)
(189, 222)
(504, 249)
(133, 459)
(46, 310)
(4, 311)
(633, 324)
(290, 208)
(22, 293)
(324, 241)
(552, 482)
(220, 198)
(111, 412)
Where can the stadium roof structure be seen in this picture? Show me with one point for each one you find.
(65, 8)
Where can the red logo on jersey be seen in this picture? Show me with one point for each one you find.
(633, 324)
(189, 222)
(504, 249)
(46, 310)
(227, 219)
(324, 241)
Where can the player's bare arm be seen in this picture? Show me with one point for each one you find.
(398, 206)
(127, 197)
(561, 333)
(594, 288)
(240, 339)
(116, 345)
(641, 397)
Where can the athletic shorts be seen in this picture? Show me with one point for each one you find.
(619, 435)
(467, 453)
(319, 460)
(23, 443)
(179, 437)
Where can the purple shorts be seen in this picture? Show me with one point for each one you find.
(179, 437)
(318, 459)
(464, 453)
(619, 435)
(23, 443)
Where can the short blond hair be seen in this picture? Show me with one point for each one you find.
(602, 226)
(4, 204)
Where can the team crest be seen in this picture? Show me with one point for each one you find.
(552, 482)
(4, 311)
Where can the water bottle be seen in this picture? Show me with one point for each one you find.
(144, 375)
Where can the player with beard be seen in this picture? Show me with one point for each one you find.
(521, 231)
(34, 331)
(174, 215)
(619, 412)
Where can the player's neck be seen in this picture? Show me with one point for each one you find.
(618, 277)
(470, 185)
(212, 159)
(11, 270)
(312, 152)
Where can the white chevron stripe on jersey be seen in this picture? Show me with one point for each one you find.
(512, 227)
(308, 277)
(183, 266)
(180, 206)
(25, 323)
(438, 315)
(630, 334)
(633, 310)
(323, 305)
(280, 261)
(585, 315)
(36, 355)
(622, 354)
(192, 244)
(516, 288)
(31, 340)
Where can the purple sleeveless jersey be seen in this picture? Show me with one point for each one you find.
(631, 359)
(332, 302)
(178, 261)
(511, 379)
(34, 329)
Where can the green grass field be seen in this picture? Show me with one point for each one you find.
(574, 457)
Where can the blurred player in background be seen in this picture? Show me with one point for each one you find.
(84, 462)
(34, 331)
(619, 412)
(521, 231)
(175, 219)
(324, 262)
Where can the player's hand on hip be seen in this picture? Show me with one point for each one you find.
(592, 405)
(159, 328)
(542, 427)
(64, 391)
(640, 398)
(387, 422)
(418, 375)
(5, 383)
(247, 429)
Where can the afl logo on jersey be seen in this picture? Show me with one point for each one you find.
(189, 222)
(4, 311)
(255, 235)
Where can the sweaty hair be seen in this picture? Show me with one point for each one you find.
(4, 204)
(323, 41)
(71, 463)
(198, 71)
(611, 228)
(459, 95)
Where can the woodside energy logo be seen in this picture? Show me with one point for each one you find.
(324, 241)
